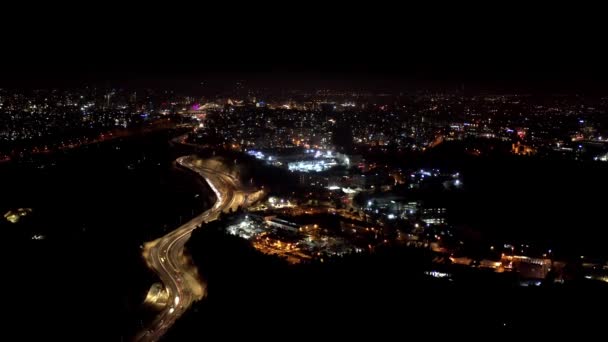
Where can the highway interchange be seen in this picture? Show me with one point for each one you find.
(165, 255)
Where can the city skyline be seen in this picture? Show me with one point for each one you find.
(206, 174)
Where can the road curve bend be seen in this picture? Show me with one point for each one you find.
(165, 254)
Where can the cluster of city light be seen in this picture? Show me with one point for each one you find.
(345, 190)
(276, 236)
(436, 274)
(279, 203)
(311, 165)
(256, 154)
(320, 153)
(602, 158)
(246, 229)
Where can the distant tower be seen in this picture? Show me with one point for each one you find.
(108, 97)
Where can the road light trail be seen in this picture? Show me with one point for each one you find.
(165, 255)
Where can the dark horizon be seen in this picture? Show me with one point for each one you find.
(213, 83)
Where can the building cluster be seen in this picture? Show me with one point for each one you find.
(326, 220)
(368, 205)
(67, 116)
(303, 139)
(291, 238)
(571, 126)
(255, 128)
(568, 126)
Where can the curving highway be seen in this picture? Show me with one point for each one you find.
(165, 255)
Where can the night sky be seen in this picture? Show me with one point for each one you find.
(498, 47)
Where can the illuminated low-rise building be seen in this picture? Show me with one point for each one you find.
(434, 215)
(13, 216)
(521, 149)
(527, 267)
